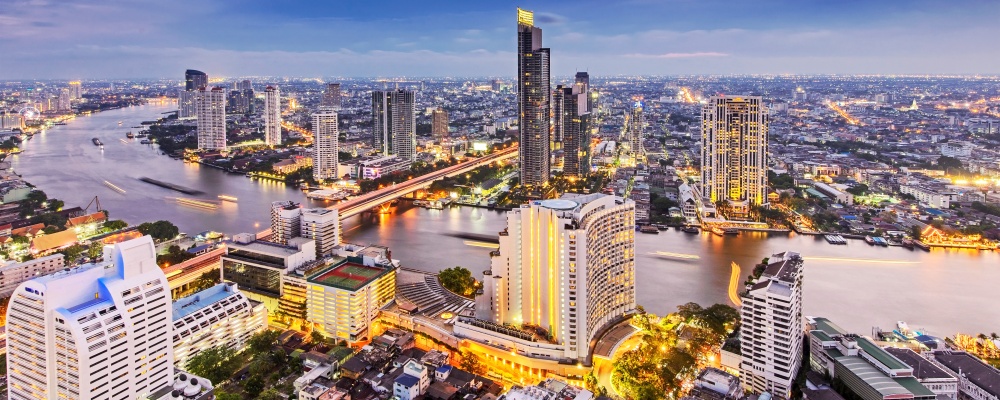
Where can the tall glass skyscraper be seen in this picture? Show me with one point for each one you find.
(395, 127)
(195, 79)
(534, 93)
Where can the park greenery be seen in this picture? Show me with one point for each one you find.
(672, 350)
(260, 366)
(159, 230)
(174, 255)
(459, 280)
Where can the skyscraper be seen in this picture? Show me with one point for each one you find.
(635, 122)
(97, 331)
(439, 124)
(394, 124)
(572, 125)
(326, 145)
(272, 116)
(64, 103)
(286, 221)
(734, 152)
(210, 108)
(241, 97)
(533, 101)
(771, 333)
(566, 265)
(331, 96)
(194, 80)
(75, 93)
(323, 226)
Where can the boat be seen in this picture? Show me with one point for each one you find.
(870, 240)
(97, 142)
(690, 229)
(327, 194)
(881, 241)
(731, 231)
(130, 135)
(431, 204)
(59, 123)
(907, 243)
(119, 123)
(921, 245)
(145, 141)
(835, 239)
(718, 231)
(649, 229)
(227, 198)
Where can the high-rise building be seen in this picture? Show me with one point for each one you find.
(75, 92)
(65, 104)
(566, 265)
(323, 226)
(331, 96)
(218, 316)
(635, 121)
(439, 124)
(210, 108)
(194, 80)
(272, 116)
(734, 152)
(395, 126)
(326, 145)
(241, 97)
(572, 126)
(257, 265)
(286, 220)
(533, 101)
(771, 334)
(97, 331)
(369, 283)
(187, 104)
(582, 83)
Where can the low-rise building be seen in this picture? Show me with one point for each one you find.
(927, 373)
(13, 273)
(413, 382)
(977, 380)
(257, 265)
(218, 316)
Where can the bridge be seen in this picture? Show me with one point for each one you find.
(368, 201)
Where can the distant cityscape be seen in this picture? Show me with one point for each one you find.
(580, 170)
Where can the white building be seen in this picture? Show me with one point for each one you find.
(218, 316)
(634, 122)
(272, 116)
(13, 273)
(257, 265)
(323, 226)
(544, 272)
(395, 125)
(930, 196)
(956, 149)
(977, 380)
(413, 382)
(771, 336)
(210, 109)
(286, 221)
(549, 389)
(187, 104)
(326, 145)
(734, 152)
(93, 332)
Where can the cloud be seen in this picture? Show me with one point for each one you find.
(549, 18)
(699, 54)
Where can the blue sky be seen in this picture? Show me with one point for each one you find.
(87, 39)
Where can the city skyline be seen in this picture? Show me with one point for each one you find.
(98, 41)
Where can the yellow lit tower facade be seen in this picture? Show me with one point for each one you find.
(534, 92)
(734, 153)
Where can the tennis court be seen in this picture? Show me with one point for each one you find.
(350, 276)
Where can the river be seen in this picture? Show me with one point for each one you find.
(858, 286)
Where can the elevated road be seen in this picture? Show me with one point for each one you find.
(368, 201)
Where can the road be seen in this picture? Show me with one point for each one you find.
(365, 202)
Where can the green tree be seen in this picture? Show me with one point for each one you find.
(95, 249)
(219, 395)
(262, 341)
(317, 337)
(253, 384)
(458, 280)
(471, 363)
(115, 225)
(915, 232)
(270, 394)
(159, 230)
(215, 364)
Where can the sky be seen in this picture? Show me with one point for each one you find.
(102, 39)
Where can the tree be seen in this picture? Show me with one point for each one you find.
(159, 230)
(95, 249)
(214, 364)
(219, 395)
(115, 225)
(270, 394)
(470, 363)
(253, 384)
(458, 280)
(915, 232)
(262, 341)
(317, 337)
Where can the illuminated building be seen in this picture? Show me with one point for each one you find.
(331, 96)
(75, 92)
(566, 265)
(241, 97)
(734, 152)
(13, 273)
(195, 80)
(286, 217)
(257, 265)
(218, 316)
(186, 101)
(635, 122)
(64, 103)
(272, 116)
(210, 109)
(326, 145)
(11, 120)
(572, 128)
(97, 331)
(323, 226)
(394, 123)
(533, 101)
(439, 124)
(771, 333)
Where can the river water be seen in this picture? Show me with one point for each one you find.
(858, 286)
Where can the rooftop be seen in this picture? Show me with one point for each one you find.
(786, 268)
(188, 305)
(828, 327)
(974, 369)
(348, 276)
(922, 367)
(874, 378)
(407, 380)
(881, 355)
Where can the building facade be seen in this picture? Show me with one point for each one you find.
(439, 124)
(635, 123)
(210, 109)
(272, 116)
(344, 297)
(326, 145)
(13, 273)
(331, 96)
(194, 80)
(734, 152)
(394, 123)
(322, 225)
(573, 129)
(257, 265)
(771, 334)
(218, 316)
(286, 221)
(534, 93)
(566, 265)
(98, 331)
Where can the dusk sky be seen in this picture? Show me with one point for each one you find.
(89, 39)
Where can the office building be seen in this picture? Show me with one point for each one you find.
(194, 80)
(572, 128)
(323, 226)
(734, 153)
(64, 103)
(75, 91)
(14, 273)
(394, 123)
(97, 331)
(545, 270)
(771, 333)
(331, 96)
(257, 265)
(635, 121)
(439, 124)
(218, 316)
(286, 217)
(210, 109)
(533, 101)
(272, 116)
(326, 145)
